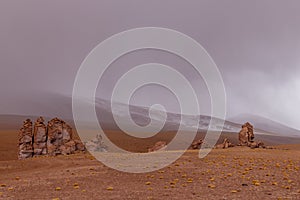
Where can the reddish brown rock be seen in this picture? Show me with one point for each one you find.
(68, 148)
(40, 137)
(53, 139)
(258, 144)
(197, 144)
(226, 144)
(79, 145)
(25, 140)
(59, 134)
(55, 136)
(246, 135)
(161, 145)
(66, 132)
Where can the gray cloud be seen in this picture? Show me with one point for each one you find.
(254, 43)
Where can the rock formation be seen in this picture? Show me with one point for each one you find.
(25, 140)
(79, 145)
(197, 144)
(226, 144)
(59, 138)
(160, 145)
(246, 135)
(96, 144)
(39, 137)
(53, 139)
(258, 144)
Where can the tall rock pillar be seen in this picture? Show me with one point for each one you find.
(25, 140)
(40, 137)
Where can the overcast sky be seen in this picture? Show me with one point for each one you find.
(255, 44)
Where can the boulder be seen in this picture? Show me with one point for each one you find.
(226, 144)
(258, 144)
(158, 146)
(197, 144)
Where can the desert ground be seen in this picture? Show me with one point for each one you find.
(234, 173)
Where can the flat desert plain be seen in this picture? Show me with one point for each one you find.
(234, 173)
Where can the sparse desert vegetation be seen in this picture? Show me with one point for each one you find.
(224, 174)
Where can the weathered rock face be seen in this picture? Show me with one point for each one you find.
(250, 131)
(40, 137)
(197, 144)
(25, 140)
(54, 139)
(59, 136)
(67, 148)
(246, 135)
(79, 145)
(159, 146)
(55, 136)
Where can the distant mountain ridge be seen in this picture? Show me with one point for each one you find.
(61, 106)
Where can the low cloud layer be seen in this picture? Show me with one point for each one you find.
(255, 44)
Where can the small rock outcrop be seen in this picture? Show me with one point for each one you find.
(53, 139)
(258, 144)
(246, 135)
(158, 146)
(96, 144)
(25, 140)
(226, 144)
(197, 144)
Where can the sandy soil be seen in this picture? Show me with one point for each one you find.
(8, 144)
(235, 173)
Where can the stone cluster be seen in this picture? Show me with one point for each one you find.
(53, 139)
(226, 144)
(246, 137)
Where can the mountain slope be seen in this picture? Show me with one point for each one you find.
(61, 106)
